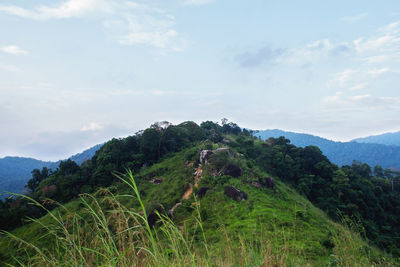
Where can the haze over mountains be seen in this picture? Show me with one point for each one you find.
(381, 150)
(16, 171)
(391, 139)
(367, 150)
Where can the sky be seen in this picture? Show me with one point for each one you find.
(74, 73)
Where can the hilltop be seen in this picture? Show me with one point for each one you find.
(220, 196)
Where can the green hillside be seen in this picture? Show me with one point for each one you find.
(261, 224)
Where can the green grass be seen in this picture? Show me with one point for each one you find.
(270, 228)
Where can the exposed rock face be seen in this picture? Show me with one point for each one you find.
(205, 154)
(202, 192)
(232, 170)
(235, 194)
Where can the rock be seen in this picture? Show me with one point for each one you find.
(202, 192)
(156, 181)
(256, 184)
(232, 170)
(152, 219)
(226, 141)
(205, 155)
(235, 194)
(268, 182)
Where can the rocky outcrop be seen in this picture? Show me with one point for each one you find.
(205, 154)
(235, 193)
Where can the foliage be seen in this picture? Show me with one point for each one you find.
(170, 154)
(101, 230)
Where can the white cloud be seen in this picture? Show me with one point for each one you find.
(352, 19)
(93, 126)
(13, 49)
(67, 9)
(357, 79)
(130, 23)
(156, 39)
(313, 52)
(358, 87)
(376, 72)
(362, 103)
(197, 2)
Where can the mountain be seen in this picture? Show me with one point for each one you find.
(85, 155)
(16, 171)
(205, 196)
(390, 139)
(342, 153)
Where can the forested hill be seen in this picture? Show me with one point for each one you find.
(370, 197)
(390, 139)
(343, 153)
(244, 185)
(16, 171)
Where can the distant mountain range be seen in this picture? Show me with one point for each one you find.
(16, 171)
(381, 150)
(343, 153)
(390, 139)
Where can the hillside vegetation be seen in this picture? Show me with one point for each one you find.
(344, 153)
(178, 208)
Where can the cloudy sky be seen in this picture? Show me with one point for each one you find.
(74, 73)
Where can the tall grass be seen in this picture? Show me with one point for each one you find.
(107, 233)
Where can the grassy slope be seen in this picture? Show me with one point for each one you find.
(283, 222)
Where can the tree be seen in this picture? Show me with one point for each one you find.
(37, 177)
(340, 182)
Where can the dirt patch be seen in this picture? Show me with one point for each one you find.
(188, 192)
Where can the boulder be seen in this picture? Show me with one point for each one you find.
(202, 192)
(156, 181)
(205, 155)
(232, 170)
(235, 193)
(256, 184)
(268, 182)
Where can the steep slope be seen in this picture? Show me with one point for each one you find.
(16, 171)
(274, 225)
(390, 139)
(343, 153)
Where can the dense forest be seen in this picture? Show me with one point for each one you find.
(368, 195)
(344, 153)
